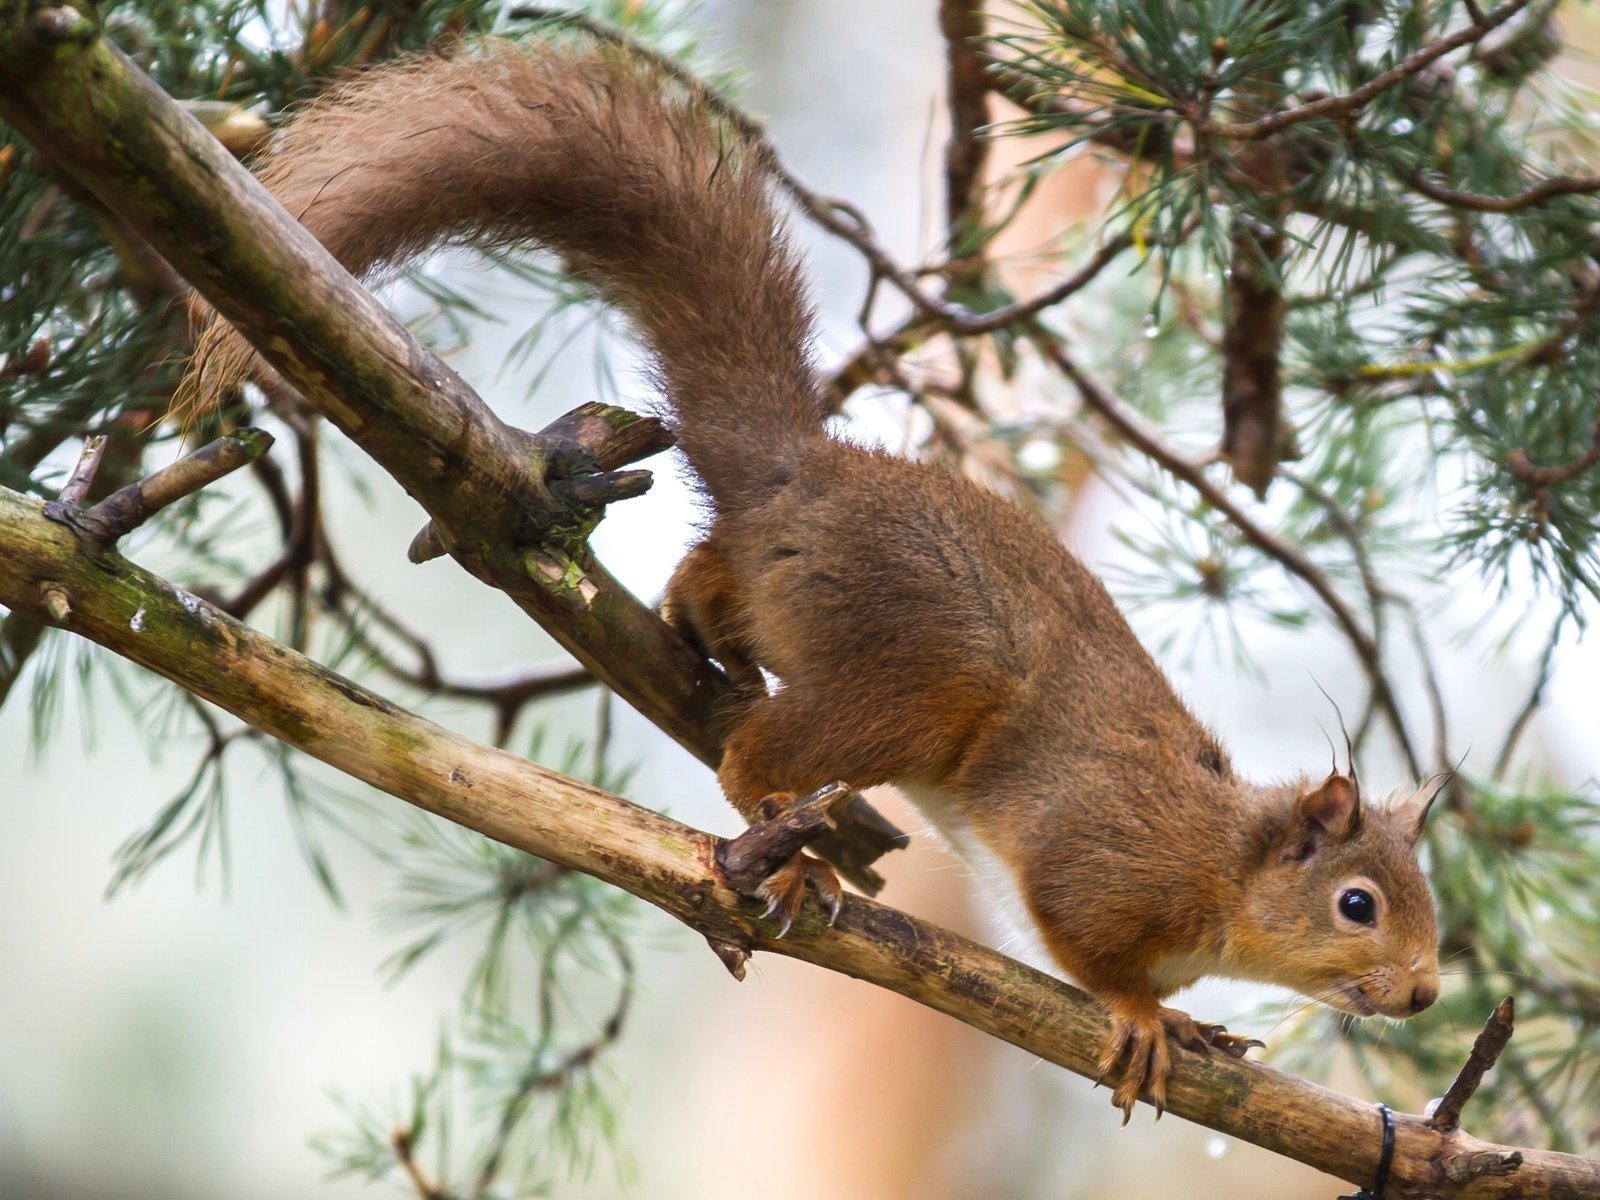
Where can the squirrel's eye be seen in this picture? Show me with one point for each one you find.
(1358, 906)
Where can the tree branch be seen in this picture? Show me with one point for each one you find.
(1486, 1051)
(147, 620)
(129, 507)
(1332, 106)
(961, 22)
(1538, 193)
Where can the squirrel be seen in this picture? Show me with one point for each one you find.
(927, 633)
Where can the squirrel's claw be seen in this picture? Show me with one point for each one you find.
(825, 882)
(1193, 1035)
(1141, 1038)
(785, 890)
(1234, 1044)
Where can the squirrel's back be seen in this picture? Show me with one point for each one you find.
(612, 165)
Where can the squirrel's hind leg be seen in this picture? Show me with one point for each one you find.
(704, 603)
(788, 744)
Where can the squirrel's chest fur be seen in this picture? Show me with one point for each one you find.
(1183, 961)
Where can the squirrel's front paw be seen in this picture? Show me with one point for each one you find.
(1139, 1030)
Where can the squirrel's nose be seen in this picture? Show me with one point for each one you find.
(1423, 995)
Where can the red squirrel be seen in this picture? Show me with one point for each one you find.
(926, 633)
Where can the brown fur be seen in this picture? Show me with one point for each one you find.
(926, 632)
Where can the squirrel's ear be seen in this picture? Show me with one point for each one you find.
(1330, 813)
(1411, 813)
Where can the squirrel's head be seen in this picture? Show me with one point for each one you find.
(1338, 908)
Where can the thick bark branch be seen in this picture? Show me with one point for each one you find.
(142, 617)
(961, 22)
(64, 86)
(1252, 346)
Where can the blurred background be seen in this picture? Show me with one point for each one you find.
(191, 1036)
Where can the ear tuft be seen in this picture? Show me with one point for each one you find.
(1410, 813)
(1330, 813)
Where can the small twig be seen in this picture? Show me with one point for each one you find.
(1430, 683)
(1545, 189)
(1329, 106)
(270, 476)
(541, 1078)
(127, 508)
(76, 489)
(871, 362)
(971, 324)
(747, 860)
(258, 587)
(837, 217)
(1543, 352)
(507, 697)
(1542, 477)
(1378, 596)
(427, 1189)
(1485, 1053)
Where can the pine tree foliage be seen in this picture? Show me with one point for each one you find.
(1352, 244)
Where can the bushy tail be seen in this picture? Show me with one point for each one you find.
(643, 191)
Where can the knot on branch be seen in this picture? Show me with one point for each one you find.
(861, 836)
(572, 475)
(749, 859)
(1464, 1168)
(732, 955)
